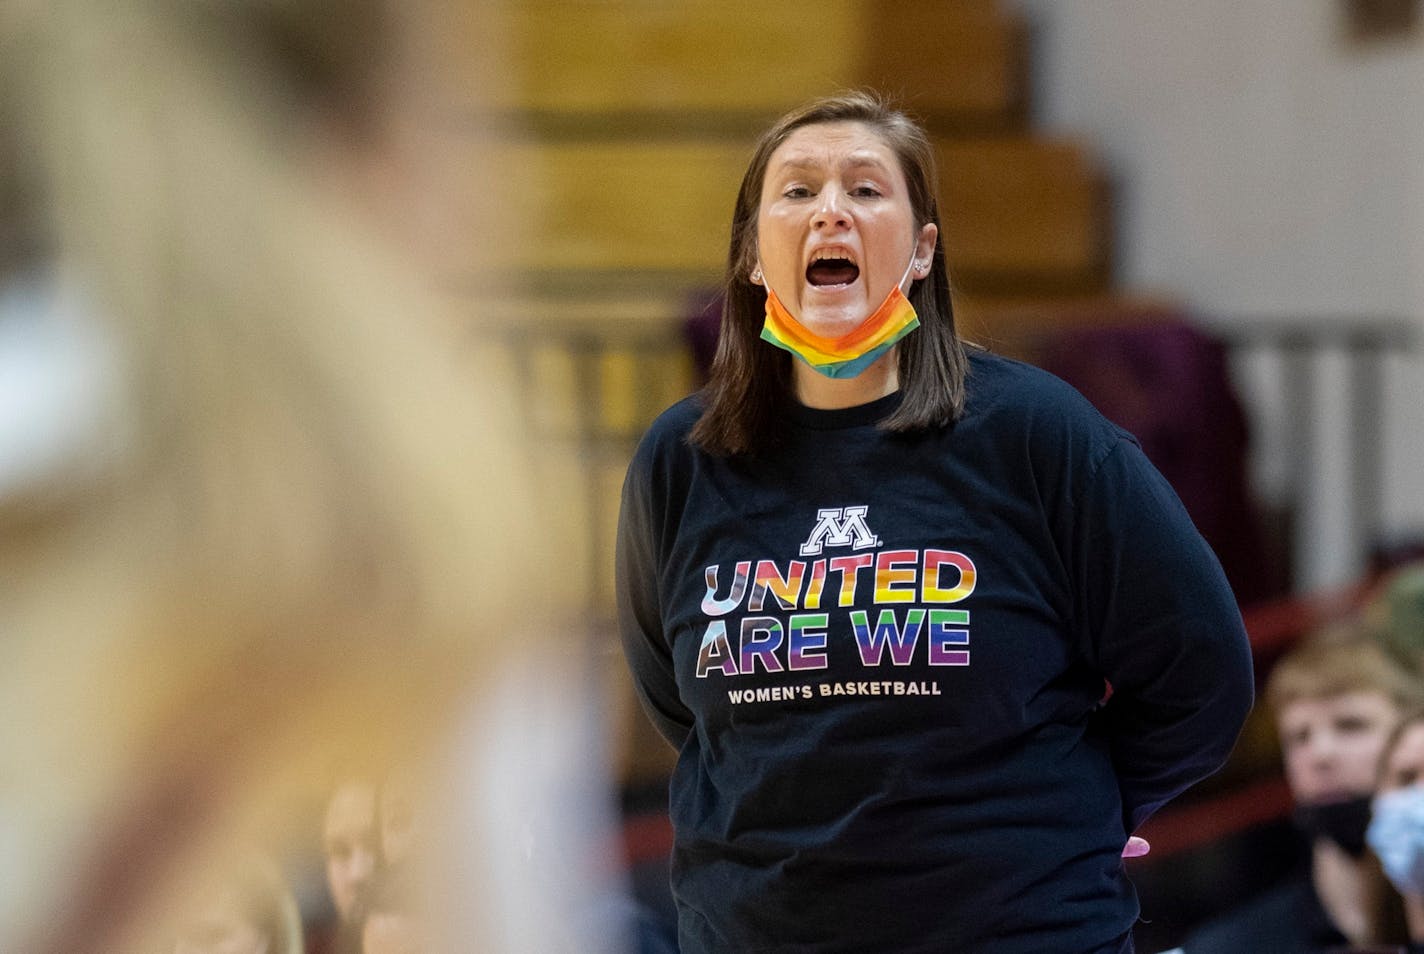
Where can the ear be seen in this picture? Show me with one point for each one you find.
(924, 248)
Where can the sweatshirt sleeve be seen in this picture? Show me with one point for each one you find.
(1162, 625)
(640, 625)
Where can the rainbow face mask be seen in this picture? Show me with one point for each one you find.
(850, 354)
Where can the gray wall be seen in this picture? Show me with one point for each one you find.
(1266, 166)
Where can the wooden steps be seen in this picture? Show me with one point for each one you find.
(622, 129)
(1026, 214)
(734, 64)
(1020, 214)
(959, 65)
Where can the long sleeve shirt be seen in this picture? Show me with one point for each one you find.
(922, 685)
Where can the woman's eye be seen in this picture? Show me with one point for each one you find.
(797, 192)
(865, 191)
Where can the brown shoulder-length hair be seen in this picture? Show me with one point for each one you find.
(750, 378)
(1410, 719)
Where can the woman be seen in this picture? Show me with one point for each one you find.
(1396, 832)
(871, 589)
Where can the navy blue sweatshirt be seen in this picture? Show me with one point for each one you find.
(883, 659)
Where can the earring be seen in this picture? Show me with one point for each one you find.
(756, 275)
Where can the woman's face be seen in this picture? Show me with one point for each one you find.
(1405, 765)
(835, 230)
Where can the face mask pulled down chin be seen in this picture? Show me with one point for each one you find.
(850, 354)
(1396, 834)
(1342, 822)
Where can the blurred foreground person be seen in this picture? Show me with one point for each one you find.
(1335, 699)
(250, 912)
(1396, 830)
(304, 528)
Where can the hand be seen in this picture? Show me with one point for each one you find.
(1135, 847)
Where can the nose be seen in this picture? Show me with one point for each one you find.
(1322, 751)
(831, 211)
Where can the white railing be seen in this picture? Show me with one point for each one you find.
(1314, 390)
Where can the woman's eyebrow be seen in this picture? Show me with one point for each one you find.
(860, 160)
(795, 164)
(856, 160)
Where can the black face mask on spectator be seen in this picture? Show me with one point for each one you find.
(1342, 822)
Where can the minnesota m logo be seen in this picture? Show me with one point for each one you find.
(839, 527)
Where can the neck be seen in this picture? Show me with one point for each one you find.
(816, 390)
(1346, 890)
(1414, 917)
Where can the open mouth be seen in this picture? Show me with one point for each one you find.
(827, 272)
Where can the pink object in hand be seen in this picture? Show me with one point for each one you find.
(1135, 847)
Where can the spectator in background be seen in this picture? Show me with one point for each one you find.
(1401, 607)
(1396, 832)
(351, 846)
(1335, 700)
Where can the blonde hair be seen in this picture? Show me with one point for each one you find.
(316, 526)
(1338, 661)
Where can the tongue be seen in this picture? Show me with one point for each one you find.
(832, 272)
